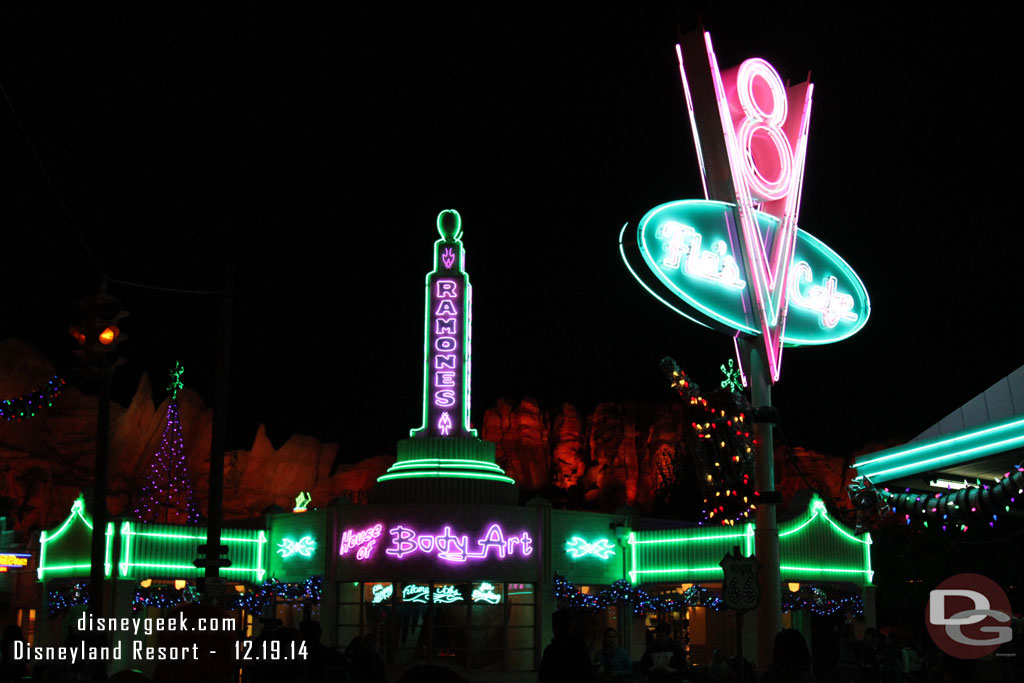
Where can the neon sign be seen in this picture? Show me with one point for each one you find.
(736, 261)
(382, 592)
(415, 593)
(446, 373)
(8, 560)
(305, 547)
(301, 501)
(454, 548)
(445, 595)
(485, 593)
(363, 541)
(578, 547)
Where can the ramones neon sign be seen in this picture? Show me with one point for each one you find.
(446, 377)
(737, 261)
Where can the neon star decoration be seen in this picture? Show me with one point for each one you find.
(733, 377)
(305, 547)
(578, 547)
(737, 261)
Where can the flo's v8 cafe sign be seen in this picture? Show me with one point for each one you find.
(736, 260)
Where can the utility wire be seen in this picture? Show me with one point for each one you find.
(71, 218)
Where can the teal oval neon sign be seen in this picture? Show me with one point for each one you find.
(691, 247)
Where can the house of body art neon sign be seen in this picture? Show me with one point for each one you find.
(736, 260)
(446, 374)
(452, 547)
(362, 541)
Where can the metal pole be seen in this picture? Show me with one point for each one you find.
(99, 499)
(766, 535)
(219, 432)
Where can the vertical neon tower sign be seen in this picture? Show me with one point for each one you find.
(447, 337)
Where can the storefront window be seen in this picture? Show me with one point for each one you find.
(483, 624)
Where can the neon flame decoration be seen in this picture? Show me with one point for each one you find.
(305, 546)
(457, 548)
(578, 547)
(448, 258)
(444, 425)
(362, 541)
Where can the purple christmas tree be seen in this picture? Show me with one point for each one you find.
(167, 494)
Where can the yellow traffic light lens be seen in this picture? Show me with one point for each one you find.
(108, 335)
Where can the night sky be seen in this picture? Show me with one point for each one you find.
(314, 151)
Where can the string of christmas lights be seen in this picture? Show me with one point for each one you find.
(256, 601)
(977, 506)
(622, 591)
(59, 601)
(167, 494)
(164, 596)
(719, 444)
(28, 405)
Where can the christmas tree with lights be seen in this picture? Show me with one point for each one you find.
(719, 445)
(167, 495)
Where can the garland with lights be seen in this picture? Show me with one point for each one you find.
(970, 507)
(167, 494)
(59, 601)
(256, 601)
(26, 406)
(621, 591)
(718, 444)
(164, 596)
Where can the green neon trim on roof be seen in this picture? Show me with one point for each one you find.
(426, 463)
(426, 474)
(941, 452)
(46, 539)
(812, 543)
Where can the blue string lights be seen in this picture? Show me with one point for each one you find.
(813, 598)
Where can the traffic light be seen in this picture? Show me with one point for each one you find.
(98, 335)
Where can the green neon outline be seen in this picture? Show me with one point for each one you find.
(949, 453)
(815, 510)
(427, 463)
(816, 245)
(576, 554)
(127, 531)
(440, 474)
(77, 510)
(466, 328)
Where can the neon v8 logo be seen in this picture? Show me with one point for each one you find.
(963, 614)
(736, 260)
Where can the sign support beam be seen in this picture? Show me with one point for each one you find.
(766, 534)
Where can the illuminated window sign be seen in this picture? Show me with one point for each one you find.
(452, 547)
(445, 595)
(577, 547)
(381, 592)
(13, 560)
(415, 593)
(737, 261)
(363, 542)
(448, 333)
(304, 547)
(485, 592)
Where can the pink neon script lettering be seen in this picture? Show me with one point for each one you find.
(364, 540)
(456, 548)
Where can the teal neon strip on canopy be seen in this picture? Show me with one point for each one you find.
(948, 450)
(427, 463)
